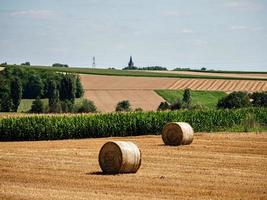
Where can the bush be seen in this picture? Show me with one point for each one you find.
(123, 106)
(176, 105)
(259, 99)
(37, 106)
(163, 106)
(234, 100)
(67, 106)
(138, 109)
(87, 107)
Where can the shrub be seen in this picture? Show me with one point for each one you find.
(67, 106)
(37, 106)
(87, 106)
(259, 99)
(138, 109)
(234, 100)
(123, 106)
(176, 105)
(163, 106)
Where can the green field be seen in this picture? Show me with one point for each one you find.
(208, 99)
(117, 72)
(25, 104)
(51, 127)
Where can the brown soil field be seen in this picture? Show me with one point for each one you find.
(107, 91)
(214, 166)
(232, 75)
(106, 100)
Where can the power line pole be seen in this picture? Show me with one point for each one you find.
(93, 65)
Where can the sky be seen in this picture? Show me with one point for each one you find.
(216, 34)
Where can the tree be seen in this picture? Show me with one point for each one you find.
(79, 88)
(123, 106)
(68, 88)
(6, 103)
(34, 87)
(16, 93)
(26, 63)
(234, 100)
(53, 101)
(203, 69)
(187, 96)
(87, 106)
(37, 106)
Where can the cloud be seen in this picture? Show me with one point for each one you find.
(238, 28)
(36, 14)
(171, 13)
(185, 30)
(246, 28)
(199, 42)
(244, 5)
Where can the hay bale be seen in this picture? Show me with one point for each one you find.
(177, 133)
(119, 157)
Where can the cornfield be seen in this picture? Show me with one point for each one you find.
(41, 127)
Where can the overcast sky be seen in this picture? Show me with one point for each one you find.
(217, 34)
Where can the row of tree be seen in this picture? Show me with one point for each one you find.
(17, 83)
(231, 101)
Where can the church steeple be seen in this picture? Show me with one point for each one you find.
(131, 64)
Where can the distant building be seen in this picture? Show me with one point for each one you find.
(131, 63)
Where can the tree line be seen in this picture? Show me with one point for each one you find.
(18, 83)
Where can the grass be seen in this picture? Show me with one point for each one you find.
(116, 72)
(208, 99)
(25, 104)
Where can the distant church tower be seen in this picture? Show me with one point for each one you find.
(131, 64)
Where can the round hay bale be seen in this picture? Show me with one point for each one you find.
(119, 157)
(177, 133)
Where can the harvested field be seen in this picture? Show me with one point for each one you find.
(232, 75)
(214, 166)
(106, 91)
(106, 100)
(92, 82)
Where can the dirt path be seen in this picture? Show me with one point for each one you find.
(215, 166)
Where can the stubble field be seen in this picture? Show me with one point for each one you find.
(214, 166)
(107, 91)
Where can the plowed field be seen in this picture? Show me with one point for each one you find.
(106, 91)
(214, 166)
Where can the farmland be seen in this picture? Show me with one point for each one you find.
(208, 99)
(106, 91)
(214, 166)
(141, 73)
